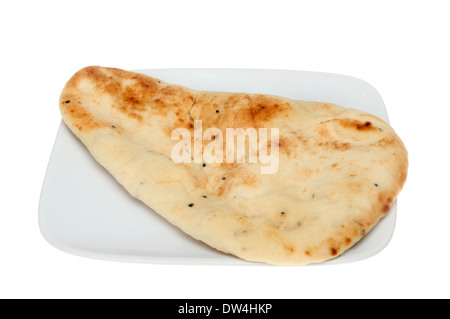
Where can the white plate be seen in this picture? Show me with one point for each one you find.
(84, 211)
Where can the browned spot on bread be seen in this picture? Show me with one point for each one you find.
(141, 84)
(242, 220)
(132, 98)
(289, 248)
(324, 132)
(172, 99)
(131, 110)
(96, 75)
(307, 252)
(385, 142)
(325, 106)
(123, 74)
(303, 140)
(385, 199)
(145, 86)
(136, 116)
(264, 108)
(334, 251)
(74, 80)
(112, 87)
(168, 91)
(238, 110)
(355, 124)
(285, 145)
(102, 81)
(402, 175)
(137, 95)
(339, 146)
(347, 241)
(335, 145)
(80, 117)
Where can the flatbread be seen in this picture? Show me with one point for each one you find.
(339, 169)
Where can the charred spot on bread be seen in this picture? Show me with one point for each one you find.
(356, 124)
(333, 251)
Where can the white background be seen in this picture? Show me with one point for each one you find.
(400, 47)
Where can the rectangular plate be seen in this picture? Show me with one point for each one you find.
(84, 211)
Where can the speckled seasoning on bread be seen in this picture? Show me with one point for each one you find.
(339, 169)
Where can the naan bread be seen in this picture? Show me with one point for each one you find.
(339, 169)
